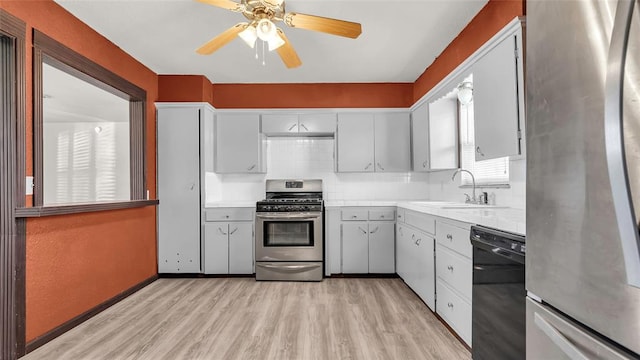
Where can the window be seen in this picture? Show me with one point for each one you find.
(88, 130)
(486, 172)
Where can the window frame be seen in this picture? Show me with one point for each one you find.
(49, 51)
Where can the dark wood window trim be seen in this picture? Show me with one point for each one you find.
(12, 190)
(49, 51)
(42, 211)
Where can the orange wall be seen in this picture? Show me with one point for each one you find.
(184, 88)
(76, 262)
(327, 95)
(493, 17)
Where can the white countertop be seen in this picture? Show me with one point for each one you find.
(503, 218)
(230, 204)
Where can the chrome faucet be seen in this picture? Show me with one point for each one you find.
(473, 182)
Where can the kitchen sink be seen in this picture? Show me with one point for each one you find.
(455, 205)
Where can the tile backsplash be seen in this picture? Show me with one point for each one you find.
(312, 158)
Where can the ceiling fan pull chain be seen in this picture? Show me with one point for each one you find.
(264, 63)
(256, 47)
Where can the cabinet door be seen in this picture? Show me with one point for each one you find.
(495, 99)
(425, 284)
(238, 143)
(354, 139)
(317, 123)
(392, 142)
(241, 248)
(382, 247)
(280, 124)
(216, 248)
(178, 190)
(355, 248)
(420, 138)
(443, 134)
(402, 252)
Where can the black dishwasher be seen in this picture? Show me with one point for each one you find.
(498, 312)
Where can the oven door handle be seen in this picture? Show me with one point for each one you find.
(287, 217)
(290, 268)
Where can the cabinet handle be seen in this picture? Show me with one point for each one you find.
(305, 128)
(424, 164)
(450, 305)
(193, 185)
(292, 126)
(368, 166)
(413, 237)
(418, 242)
(361, 229)
(374, 230)
(479, 151)
(380, 166)
(251, 167)
(233, 231)
(222, 232)
(354, 216)
(449, 236)
(450, 268)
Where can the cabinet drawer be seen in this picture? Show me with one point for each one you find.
(400, 215)
(388, 215)
(455, 270)
(423, 222)
(228, 214)
(455, 238)
(355, 214)
(454, 310)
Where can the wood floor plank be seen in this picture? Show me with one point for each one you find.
(240, 318)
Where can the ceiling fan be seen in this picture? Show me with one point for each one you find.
(262, 16)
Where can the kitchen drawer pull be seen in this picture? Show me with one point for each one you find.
(450, 305)
(479, 151)
(449, 236)
(251, 167)
(292, 126)
(374, 230)
(368, 166)
(305, 128)
(222, 232)
(380, 166)
(361, 229)
(354, 216)
(424, 164)
(450, 268)
(233, 231)
(418, 242)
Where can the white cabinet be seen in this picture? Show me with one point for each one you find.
(367, 241)
(228, 241)
(498, 100)
(354, 142)
(240, 147)
(454, 270)
(294, 124)
(415, 255)
(420, 138)
(184, 131)
(368, 142)
(443, 134)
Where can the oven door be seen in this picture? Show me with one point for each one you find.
(289, 236)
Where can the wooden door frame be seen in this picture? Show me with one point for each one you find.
(12, 193)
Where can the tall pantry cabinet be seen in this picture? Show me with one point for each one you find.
(184, 132)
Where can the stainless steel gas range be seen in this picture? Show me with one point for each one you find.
(289, 231)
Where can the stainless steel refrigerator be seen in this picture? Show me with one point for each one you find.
(583, 179)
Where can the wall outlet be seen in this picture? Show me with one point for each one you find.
(29, 185)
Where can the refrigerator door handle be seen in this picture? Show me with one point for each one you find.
(614, 142)
(561, 342)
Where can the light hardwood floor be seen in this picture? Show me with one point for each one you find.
(239, 318)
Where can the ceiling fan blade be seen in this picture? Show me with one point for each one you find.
(323, 24)
(287, 53)
(222, 39)
(225, 4)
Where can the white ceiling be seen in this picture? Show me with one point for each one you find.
(399, 40)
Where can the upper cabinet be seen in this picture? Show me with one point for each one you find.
(498, 100)
(420, 138)
(443, 134)
(291, 124)
(368, 142)
(239, 143)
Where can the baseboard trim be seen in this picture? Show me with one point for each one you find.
(59, 330)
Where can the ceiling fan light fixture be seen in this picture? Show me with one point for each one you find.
(249, 36)
(275, 42)
(465, 93)
(273, 3)
(266, 30)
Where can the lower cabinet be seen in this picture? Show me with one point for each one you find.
(367, 240)
(228, 245)
(416, 259)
